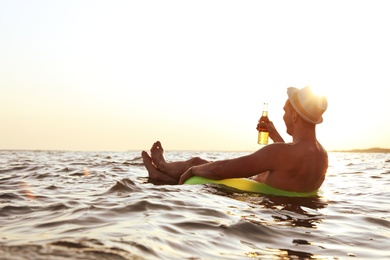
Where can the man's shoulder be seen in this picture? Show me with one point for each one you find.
(277, 149)
(281, 146)
(297, 149)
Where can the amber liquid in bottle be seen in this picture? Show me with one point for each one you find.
(262, 138)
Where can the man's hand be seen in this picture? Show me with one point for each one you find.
(273, 133)
(185, 176)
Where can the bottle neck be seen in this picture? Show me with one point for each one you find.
(265, 109)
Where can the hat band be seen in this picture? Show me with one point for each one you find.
(304, 113)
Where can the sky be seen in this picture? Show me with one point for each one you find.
(120, 75)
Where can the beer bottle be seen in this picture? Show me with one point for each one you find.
(262, 138)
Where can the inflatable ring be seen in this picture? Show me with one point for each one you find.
(248, 185)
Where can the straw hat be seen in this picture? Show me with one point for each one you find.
(308, 105)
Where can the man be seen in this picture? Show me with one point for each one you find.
(298, 166)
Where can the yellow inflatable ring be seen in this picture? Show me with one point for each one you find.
(250, 186)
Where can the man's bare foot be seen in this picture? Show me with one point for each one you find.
(154, 173)
(157, 153)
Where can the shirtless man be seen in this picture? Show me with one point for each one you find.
(299, 166)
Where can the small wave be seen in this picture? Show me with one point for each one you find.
(252, 231)
(78, 174)
(14, 169)
(57, 207)
(66, 169)
(118, 169)
(51, 187)
(378, 222)
(137, 158)
(135, 164)
(44, 175)
(136, 161)
(66, 250)
(15, 210)
(143, 206)
(123, 186)
(10, 196)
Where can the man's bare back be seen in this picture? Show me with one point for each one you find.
(301, 171)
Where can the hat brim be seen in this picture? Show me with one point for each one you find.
(292, 94)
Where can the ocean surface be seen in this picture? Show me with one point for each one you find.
(101, 205)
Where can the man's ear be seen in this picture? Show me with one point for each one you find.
(294, 115)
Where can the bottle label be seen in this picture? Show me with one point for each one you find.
(262, 138)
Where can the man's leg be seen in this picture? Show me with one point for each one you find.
(173, 169)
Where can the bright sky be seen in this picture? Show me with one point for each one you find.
(119, 75)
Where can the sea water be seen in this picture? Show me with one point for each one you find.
(101, 205)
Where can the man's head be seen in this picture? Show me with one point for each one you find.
(308, 105)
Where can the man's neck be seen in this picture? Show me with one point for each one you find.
(304, 133)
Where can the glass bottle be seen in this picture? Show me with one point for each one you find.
(262, 138)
